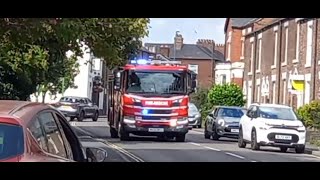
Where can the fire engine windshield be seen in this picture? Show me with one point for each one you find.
(156, 82)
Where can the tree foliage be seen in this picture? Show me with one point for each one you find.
(226, 95)
(310, 114)
(33, 51)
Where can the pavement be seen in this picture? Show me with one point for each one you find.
(195, 149)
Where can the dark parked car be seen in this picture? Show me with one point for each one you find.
(194, 116)
(36, 132)
(78, 107)
(223, 121)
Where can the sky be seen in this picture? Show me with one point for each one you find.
(162, 30)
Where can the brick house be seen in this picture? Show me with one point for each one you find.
(200, 57)
(282, 61)
(232, 70)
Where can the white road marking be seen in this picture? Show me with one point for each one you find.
(212, 148)
(253, 161)
(235, 155)
(196, 144)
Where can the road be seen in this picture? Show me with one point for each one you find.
(195, 149)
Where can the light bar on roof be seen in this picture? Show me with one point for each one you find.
(165, 62)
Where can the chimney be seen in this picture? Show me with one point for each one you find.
(164, 50)
(220, 48)
(208, 43)
(178, 41)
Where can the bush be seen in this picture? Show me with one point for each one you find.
(310, 114)
(226, 95)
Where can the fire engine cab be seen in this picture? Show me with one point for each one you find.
(150, 98)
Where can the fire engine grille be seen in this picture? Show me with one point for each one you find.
(159, 111)
(155, 118)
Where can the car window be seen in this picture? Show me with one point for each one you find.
(69, 100)
(11, 141)
(230, 112)
(215, 112)
(89, 101)
(193, 108)
(55, 142)
(38, 134)
(83, 101)
(65, 140)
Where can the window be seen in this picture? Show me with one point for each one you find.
(273, 92)
(258, 93)
(277, 113)
(223, 79)
(275, 50)
(229, 45)
(230, 112)
(38, 134)
(297, 42)
(284, 91)
(309, 43)
(285, 59)
(251, 57)
(54, 138)
(156, 82)
(258, 63)
(11, 141)
(242, 48)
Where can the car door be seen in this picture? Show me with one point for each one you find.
(56, 146)
(86, 107)
(245, 123)
(211, 119)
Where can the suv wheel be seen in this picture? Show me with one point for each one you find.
(241, 143)
(95, 116)
(254, 144)
(283, 149)
(81, 116)
(300, 149)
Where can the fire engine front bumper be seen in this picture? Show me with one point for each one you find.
(153, 130)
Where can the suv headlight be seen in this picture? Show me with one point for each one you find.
(221, 122)
(198, 115)
(301, 128)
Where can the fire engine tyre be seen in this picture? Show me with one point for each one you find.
(124, 136)
(181, 138)
(95, 116)
(113, 132)
(81, 116)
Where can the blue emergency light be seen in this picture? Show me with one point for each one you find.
(145, 112)
(140, 61)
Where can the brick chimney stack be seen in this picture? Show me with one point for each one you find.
(178, 41)
(208, 43)
(220, 48)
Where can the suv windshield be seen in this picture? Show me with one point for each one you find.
(11, 141)
(193, 108)
(156, 82)
(231, 112)
(277, 113)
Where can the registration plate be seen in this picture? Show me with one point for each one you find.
(235, 130)
(156, 130)
(283, 137)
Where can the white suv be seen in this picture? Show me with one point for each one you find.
(272, 125)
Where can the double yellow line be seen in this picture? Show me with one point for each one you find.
(125, 152)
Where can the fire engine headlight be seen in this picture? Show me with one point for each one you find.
(182, 121)
(173, 123)
(129, 120)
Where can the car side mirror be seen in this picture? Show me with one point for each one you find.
(96, 154)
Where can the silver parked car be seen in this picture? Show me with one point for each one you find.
(194, 116)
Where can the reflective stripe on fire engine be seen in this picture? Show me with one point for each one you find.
(160, 108)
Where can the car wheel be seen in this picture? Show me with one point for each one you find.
(199, 126)
(254, 143)
(72, 118)
(300, 149)
(283, 149)
(81, 116)
(241, 143)
(181, 138)
(113, 132)
(215, 135)
(95, 116)
(206, 133)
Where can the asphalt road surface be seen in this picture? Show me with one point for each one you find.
(195, 149)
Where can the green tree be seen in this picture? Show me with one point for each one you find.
(226, 95)
(310, 114)
(33, 51)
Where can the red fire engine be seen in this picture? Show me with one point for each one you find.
(150, 98)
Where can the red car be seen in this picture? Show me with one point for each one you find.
(35, 132)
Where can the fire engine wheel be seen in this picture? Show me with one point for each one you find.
(124, 136)
(113, 132)
(181, 138)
